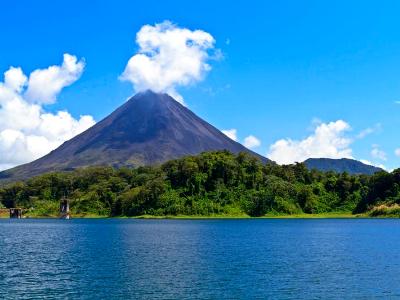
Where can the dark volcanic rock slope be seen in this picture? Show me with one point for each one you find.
(148, 129)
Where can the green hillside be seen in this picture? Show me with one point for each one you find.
(210, 184)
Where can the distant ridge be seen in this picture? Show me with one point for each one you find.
(148, 129)
(350, 166)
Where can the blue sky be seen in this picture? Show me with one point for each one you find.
(288, 67)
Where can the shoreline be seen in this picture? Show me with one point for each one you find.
(219, 217)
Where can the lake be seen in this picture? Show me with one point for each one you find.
(200, 259)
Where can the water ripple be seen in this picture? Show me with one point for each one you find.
(199, 259)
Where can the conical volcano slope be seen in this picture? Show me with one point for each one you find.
(148, 129)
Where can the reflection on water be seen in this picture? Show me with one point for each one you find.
(212, 259)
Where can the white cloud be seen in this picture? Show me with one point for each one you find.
(397, 152)
(45, 84)
(230, 133)
(328, 140)
(378, 153)
(367, 162)
(251, 142)
(168, 57)
(27, 131)
(367, 131)
(14, 79)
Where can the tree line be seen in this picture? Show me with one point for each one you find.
(212, 183)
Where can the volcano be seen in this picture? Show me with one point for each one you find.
(148, 129)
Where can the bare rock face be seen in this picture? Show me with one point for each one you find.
(148, 129)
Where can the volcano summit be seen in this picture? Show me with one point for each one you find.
(148, 129)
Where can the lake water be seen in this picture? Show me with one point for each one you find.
(200, 259)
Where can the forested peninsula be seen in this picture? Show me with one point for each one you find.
(212, 184)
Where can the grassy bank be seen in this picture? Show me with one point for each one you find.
(386, 211)
(4, 216)
(56, 216)
(332, 215)
(281, 216)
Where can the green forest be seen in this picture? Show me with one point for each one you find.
(210, 184)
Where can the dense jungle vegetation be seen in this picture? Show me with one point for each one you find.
(212, 183)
